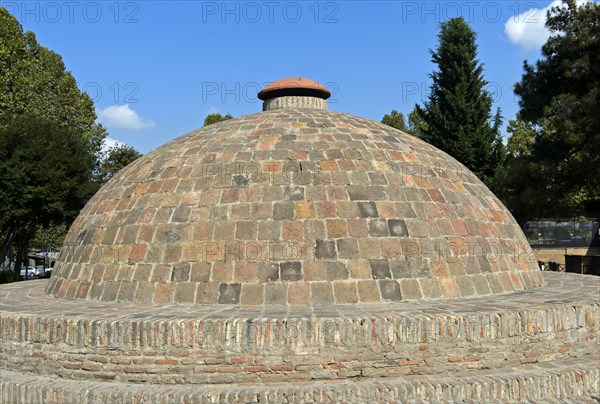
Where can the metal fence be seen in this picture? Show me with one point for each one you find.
(563, 233)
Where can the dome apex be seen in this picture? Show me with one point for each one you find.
(294, 86)
(294, 92)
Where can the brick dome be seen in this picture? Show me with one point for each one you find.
(295, 205)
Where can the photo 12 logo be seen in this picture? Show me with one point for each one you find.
(73, 11)
(252, 12)
(237, 92)
(471, 11)
(117, 93)
(413, 91)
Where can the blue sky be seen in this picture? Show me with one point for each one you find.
(155, 69)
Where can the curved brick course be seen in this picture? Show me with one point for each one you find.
(575, 381)
(185, 344)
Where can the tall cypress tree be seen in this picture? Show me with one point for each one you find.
(457, 115)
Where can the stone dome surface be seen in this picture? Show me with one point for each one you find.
(293, 206)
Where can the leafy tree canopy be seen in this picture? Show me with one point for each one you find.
(558, 140)
(117, 158)
(34, 81)
(45, 178)
(49, 141)
(396, 120)
(214, 118)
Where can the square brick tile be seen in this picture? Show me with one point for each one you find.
(144, 292)
(481, 285)
(270, 230)
(275, 294)
(321, 292)
(390, 290)
(305, 210)
(185, 292)
(283, 211)
(378, 228)
(267, 271)
(293, 194)
(386, 210)
(368, 291)
(336, 271)
(369, 248)
(465, 285)
(380, 269)
(325, 250)
(230, 195)
(367, 209)
(252, 294)
(299, 293)
(164, 293)
(347, 248)
(431, 288)
(314, 229)
(494, 282)
(314, 270)
(337, 228)
(229, 293)
(240, 211)
(397, 228)
(347, 209)
(291, 230)
(449, 287)
(345, 292)
(200, 272)
(221, 271)
(291, 271)
(245, 272)
(391, 247)
(410, 289)
(207, 293)
(161, 274)
(261, 210)
(326, 209)
(245, 230)
(400, 269)
(439, 268)
(181, 272)
(358, 228)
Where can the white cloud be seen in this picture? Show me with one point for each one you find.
(122, 117)
(214, 110)
(528, 30)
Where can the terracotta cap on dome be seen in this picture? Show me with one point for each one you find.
(294, 86)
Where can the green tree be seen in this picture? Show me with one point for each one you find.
(214, 118)
(117, 158)
(516, 180)
(45, 178)
(52, 236)
(559, 103)
(416, 124)
(34, 81)
(396, 120)
(49, 141)
(457, 116)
